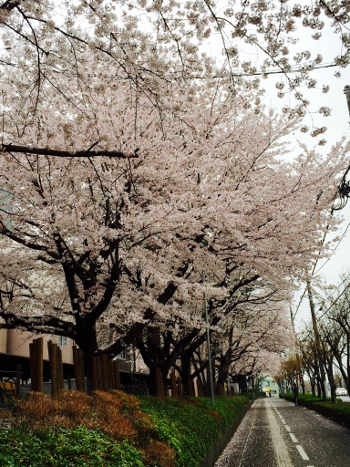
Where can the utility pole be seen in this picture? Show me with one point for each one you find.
(317, 340)
(344, 194)
(299, 375)
(292, 316)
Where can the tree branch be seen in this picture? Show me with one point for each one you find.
(38, 324)
(10, 5)
(54, 152)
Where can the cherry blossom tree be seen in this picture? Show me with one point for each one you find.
(257, 336)
(135, 174)
(157, 43)
(111, 242)
(236, 276)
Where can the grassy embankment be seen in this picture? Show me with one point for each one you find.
(115, 429)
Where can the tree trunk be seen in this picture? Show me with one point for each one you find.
(319, 391)
(87, 341)
(313, 386)
(224, 367)
(186, 373)
(330, 374)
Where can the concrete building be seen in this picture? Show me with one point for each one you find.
(14, 350)
(16, 343)
(268, 384)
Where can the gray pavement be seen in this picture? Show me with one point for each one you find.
(275, 433)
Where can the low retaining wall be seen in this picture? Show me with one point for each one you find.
(224, 440)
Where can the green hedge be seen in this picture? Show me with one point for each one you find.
(339, 412)
(192, 426)
(303, 399)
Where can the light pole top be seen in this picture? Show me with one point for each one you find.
(347, 93)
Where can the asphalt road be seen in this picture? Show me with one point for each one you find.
(275, 433)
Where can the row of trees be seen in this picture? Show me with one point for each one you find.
(333, 343)
(138, 176)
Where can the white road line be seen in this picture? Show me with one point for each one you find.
(294, 439)
(302, 452)
(283, 421)
(279, 446)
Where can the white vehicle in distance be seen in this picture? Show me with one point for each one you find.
(341, 392)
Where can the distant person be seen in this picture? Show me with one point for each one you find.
(296, 392)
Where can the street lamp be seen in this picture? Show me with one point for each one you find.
(347, 94)
(344, 187)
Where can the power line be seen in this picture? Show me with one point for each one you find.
(333, 252)
(299, 69)
(285, 72)
(335, 301)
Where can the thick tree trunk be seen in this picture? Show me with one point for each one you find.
(160, 351)
(186, 373)
(222, 373)
(224, 367)
(87, 341)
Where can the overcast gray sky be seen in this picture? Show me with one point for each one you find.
(337, 123)
(338, 126)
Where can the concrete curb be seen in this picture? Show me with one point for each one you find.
(224, 440)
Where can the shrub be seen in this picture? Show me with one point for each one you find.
(72, 409)
(107, 410)
(304, 399)
(189, 429)
(115, 429)
(37, 409)
(339, 412)
(159, 453)
(114, 413)
(65, 448)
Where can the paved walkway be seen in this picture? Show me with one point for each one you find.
(275, 433)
